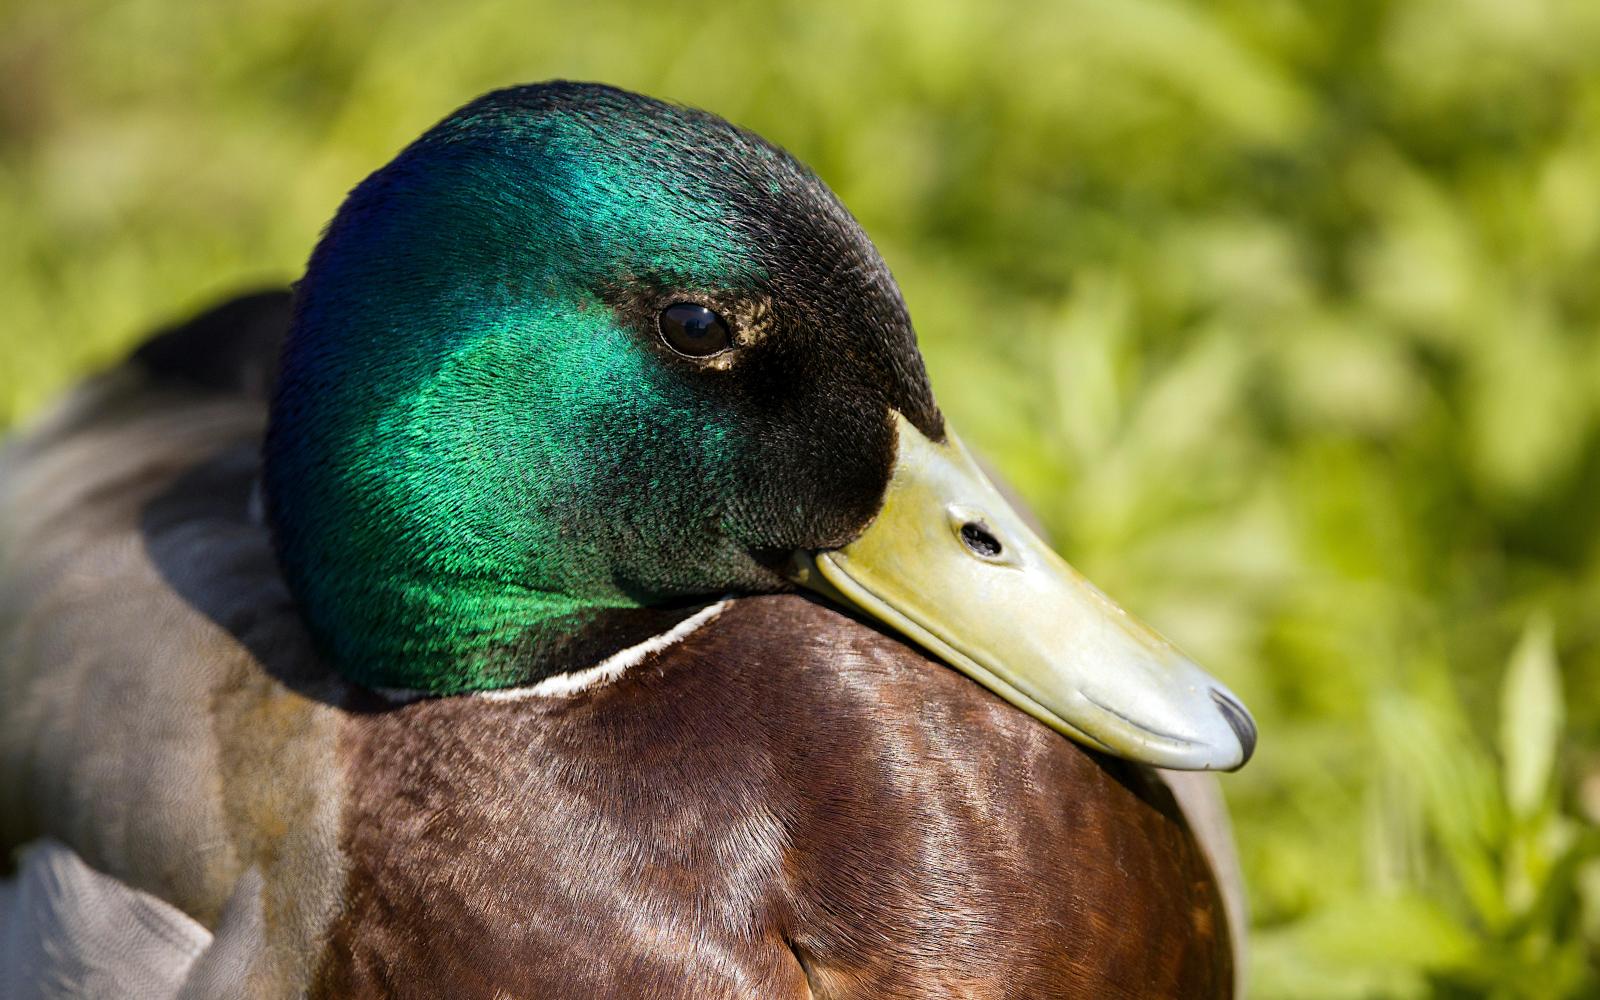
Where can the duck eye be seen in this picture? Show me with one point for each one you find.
(692, 329)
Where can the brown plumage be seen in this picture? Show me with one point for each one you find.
(785, 797)
(788, 802)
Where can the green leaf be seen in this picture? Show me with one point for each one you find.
(1429, 750)
(1531, 715)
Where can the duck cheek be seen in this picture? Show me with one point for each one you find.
(854, 489)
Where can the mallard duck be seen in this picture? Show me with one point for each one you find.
(592, 601)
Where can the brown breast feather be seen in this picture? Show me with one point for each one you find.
(785, 801)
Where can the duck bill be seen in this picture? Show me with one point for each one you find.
(948, 563)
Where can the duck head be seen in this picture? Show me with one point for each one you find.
(577, 362)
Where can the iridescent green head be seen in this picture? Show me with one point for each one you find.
(578, 362)
(486, 448)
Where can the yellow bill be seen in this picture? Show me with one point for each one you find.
(948, 563)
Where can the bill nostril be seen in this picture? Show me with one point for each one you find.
(977, 537)
(1239, 721)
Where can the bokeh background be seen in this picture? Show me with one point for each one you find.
(1284, 315)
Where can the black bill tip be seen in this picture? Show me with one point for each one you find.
(1239, 721)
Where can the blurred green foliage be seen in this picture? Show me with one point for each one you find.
(1285, 315)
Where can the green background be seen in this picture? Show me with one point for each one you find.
(1284, 315)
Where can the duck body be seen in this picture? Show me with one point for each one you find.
(785, 800)
(711, 796)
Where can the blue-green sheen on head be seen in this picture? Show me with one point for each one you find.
(481, 450)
